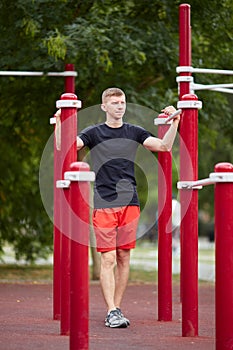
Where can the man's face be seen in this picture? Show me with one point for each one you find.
(115, 107)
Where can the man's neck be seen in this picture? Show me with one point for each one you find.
(114, 124)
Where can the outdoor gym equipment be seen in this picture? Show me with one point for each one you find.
(222, 178)
(189, 104)
(71, 219)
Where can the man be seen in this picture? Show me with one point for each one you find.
(113, 145)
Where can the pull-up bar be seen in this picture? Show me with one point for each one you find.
(190, 69)
(226, 88)
(38, 74)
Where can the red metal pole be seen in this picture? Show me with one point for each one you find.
(224, 258)
(185, 56)
(189, 214)
(70, 80)
(69, 88)
(185, 59)
(79, 273)
(56, 235)
(164, 230)
(68, 134)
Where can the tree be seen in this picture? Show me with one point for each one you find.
(131, 44)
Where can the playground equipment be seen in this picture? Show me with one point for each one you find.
(189, 104)
(71, 225)
(222, 178)
(58, 174)
(164, 229)
(69, 75)
(189, 253)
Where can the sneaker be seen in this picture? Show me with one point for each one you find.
(114, 320)
(121, 314)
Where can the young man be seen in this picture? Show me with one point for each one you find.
(113, 145)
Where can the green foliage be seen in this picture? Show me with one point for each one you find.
(130, 44)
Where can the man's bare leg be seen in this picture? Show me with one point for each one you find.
(107, 279)
(121, 275)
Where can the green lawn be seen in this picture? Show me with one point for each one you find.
(145, 254)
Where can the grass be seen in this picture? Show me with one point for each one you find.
(10, 273)
(143, 254)
(26, 273)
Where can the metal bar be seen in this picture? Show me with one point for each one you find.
(173, 115)
(211, 180)
(210, 86)
(190, 69)
(189, 185)
(207, 87)
(39, 74)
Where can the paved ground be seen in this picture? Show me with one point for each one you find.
(26, 320)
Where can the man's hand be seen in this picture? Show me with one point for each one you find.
(169, 111)
(58, 113)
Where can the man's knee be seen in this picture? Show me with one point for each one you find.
(123, 256)
(108, 259)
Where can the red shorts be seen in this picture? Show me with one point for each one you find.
(115, 228)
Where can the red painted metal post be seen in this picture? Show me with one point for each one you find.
(185, 59)
(185, 51)
(69, 79)
(56, 235)
(189, 214)
(224, 258)
(68, 134)
(69, 88)
(79, 273)
(164, 230)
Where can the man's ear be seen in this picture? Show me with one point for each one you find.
(103, 108)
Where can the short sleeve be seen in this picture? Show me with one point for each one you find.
(86, 136)
(142, 134)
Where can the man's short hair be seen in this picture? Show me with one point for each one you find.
(111, 92)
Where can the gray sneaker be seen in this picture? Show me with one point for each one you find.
(114, 320)
(121, 314)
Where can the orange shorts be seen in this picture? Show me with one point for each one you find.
(116, 228)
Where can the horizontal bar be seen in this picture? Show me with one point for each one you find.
(39, 74)
(211, 86)
(173, 115)
(194, 185)
(212, 179)
(216, 87)
(190, 69)
(162, 121)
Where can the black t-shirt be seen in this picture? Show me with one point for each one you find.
(113, 152)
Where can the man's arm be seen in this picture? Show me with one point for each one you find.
(80, 143)
(165, 144)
